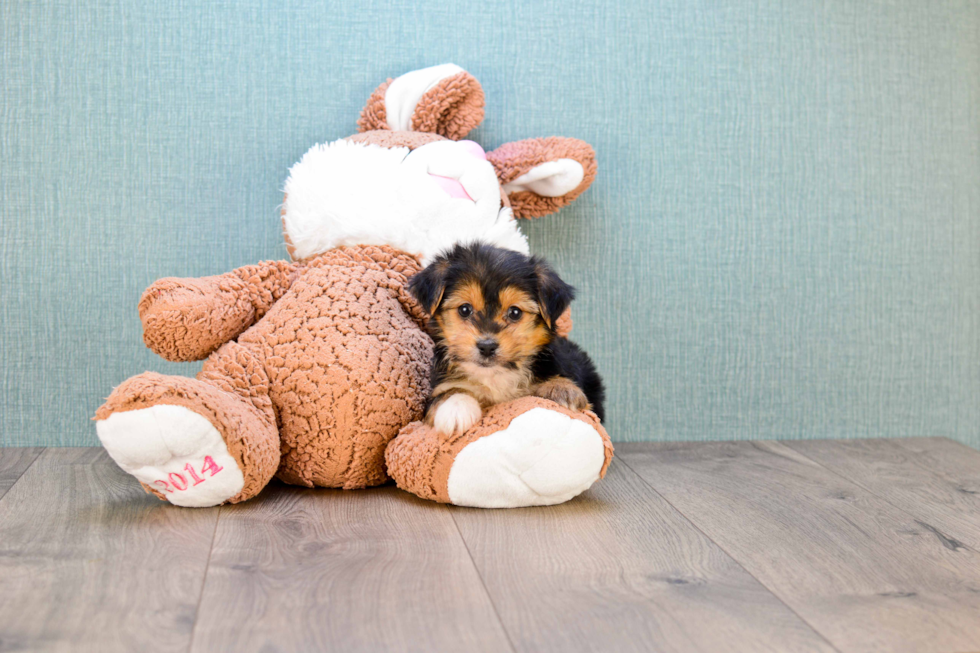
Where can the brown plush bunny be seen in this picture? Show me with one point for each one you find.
(314, 366)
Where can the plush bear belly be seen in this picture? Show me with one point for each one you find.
(348, 365)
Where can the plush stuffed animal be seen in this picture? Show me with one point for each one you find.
(314, 366)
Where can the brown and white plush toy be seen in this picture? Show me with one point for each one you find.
(314, 366)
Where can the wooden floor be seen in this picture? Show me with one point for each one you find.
(860, 545)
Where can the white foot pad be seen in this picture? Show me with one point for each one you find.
(175, 451)
(542, 458)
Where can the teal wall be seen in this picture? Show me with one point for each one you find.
(783, 241)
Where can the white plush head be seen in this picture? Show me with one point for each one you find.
(421, 201)
(408, 181)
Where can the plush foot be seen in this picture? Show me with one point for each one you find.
(174, 451)
(182, 440)
(526, 452)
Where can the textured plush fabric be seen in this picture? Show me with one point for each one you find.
(374, 115)
(249, 434)
(512, 160)
(209, 311)
(451, 109)
(386, 138)
(352, 361)
(318, 386)
(459, 96)
(420, 459)
(783, 239)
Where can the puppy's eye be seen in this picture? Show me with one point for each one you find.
(514, 314)
(465, 311)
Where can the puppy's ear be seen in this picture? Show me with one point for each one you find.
(554, 295)
(429, 285)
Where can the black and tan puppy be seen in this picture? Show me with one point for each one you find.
(493, 320)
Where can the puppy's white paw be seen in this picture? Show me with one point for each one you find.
(457, 414)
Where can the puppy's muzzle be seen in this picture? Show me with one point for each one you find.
(487, 347)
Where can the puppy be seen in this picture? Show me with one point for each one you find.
(493, 314)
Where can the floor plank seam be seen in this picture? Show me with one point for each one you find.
(204, 581)
(730, 556)
(21, 476)
(483, 583)
(921, 520)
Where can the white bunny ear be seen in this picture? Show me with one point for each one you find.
(445, 100)
(550, 179)
(541, 175)
(404, 93)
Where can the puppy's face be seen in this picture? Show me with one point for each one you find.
(491, 307)
(490, 326)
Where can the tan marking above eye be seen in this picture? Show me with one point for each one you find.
(468, 293)
(512, 296)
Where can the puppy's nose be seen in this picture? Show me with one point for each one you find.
(487, 347)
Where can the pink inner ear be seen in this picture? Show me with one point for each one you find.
(474, 149)
(451, 186)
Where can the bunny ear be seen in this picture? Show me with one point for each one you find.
(541, 175)
(444, 100)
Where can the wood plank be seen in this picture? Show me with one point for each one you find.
(13, 462)
(953, 460)
(75, 456)
(899, 476)
(865, 574)
(618, 569)
(333, 570)
(89, 561)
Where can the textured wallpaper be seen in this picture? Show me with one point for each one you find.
(783, 241)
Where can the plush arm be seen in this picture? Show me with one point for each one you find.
(187, 319)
